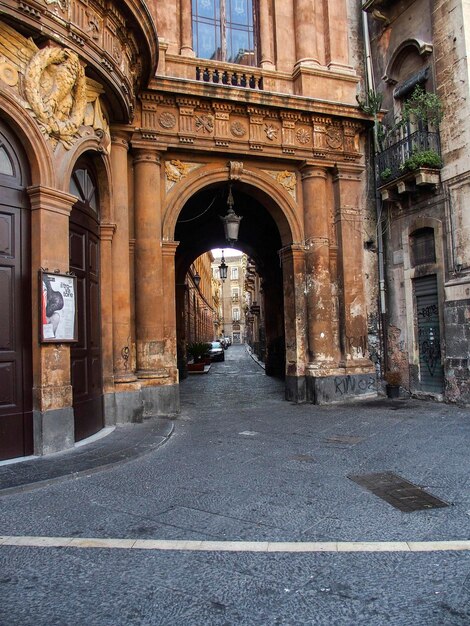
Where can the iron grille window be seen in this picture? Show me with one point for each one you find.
(224, 30)
(423, 249)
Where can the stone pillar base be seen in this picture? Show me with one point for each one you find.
(295, 390)
(53, 431)
(339, 388)
(160, 400)
(123, 407)
(135, 405)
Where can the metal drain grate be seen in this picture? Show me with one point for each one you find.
(398, 492)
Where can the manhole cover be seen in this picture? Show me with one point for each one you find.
(398, 492)
(351, 439)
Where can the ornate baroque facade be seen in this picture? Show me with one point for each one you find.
(118, 148)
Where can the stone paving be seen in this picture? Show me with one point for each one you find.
(244, 465)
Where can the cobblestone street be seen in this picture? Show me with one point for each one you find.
(243, 465)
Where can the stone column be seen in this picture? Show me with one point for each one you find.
(53, 420)
(293, 269)
(306, 41)
(266, 29)
(322, 350)
(336, 34)
(349, 228)
(106, 290)
(148, 263)
(186, 29)
(122, 333)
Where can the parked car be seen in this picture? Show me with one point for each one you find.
(216, 351)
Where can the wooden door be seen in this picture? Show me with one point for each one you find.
(86, 359)
(16, 433)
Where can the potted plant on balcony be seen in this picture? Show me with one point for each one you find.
(199, 352)
(393, 380)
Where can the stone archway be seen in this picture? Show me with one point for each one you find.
(270, 240)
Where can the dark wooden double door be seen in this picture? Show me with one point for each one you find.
(86, 357)
(16, 402)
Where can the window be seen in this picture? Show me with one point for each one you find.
(236, 315)
(234, 273)
(83, 186)
(234, 295)
(223, 30)
(422, 246)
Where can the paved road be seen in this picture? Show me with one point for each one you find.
(245, 466)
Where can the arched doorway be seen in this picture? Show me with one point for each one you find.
(199, 229)
(16, 432)
(86, 355)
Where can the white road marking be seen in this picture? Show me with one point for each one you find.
(234, 546)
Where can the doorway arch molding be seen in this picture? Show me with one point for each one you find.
(278, 202)
(35, 145)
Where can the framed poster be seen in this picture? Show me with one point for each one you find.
(58, 307)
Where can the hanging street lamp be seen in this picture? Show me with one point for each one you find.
(231, 220)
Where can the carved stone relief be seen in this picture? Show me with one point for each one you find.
(286, 179)
(176, 170)
(52, 87)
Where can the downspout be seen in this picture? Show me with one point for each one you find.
(378, 203)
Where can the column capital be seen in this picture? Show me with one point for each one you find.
(294, 250)
(50, 199)
(107, 232)
(145, 153)
(169, 247)
(312, 170)
(120, 138)
(348, 171)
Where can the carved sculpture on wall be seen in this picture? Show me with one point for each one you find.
(55, 88)
(50, 83)
(175, 170)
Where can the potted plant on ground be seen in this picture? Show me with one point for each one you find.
(199, 352)
(393, 380)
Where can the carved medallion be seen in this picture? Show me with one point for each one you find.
(303, 135)
(238, 129)
(8, 73)
(334, 138)
(167, 120)
(204, 123)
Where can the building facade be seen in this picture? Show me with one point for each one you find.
(231, 297)
(118, 151)
(419, 66)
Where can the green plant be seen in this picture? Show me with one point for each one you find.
(372, 104)
(198, 350)
(423, 106)
(385, 175)
(422, 158)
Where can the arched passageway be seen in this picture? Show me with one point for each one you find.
(199, 229)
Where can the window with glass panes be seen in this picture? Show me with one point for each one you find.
(224, 30)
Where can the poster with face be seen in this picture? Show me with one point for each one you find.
(58, 307)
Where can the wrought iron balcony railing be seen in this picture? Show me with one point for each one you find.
(419, 149)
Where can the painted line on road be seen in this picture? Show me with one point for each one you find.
(234, 546)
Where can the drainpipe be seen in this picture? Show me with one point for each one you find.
(378, 203)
